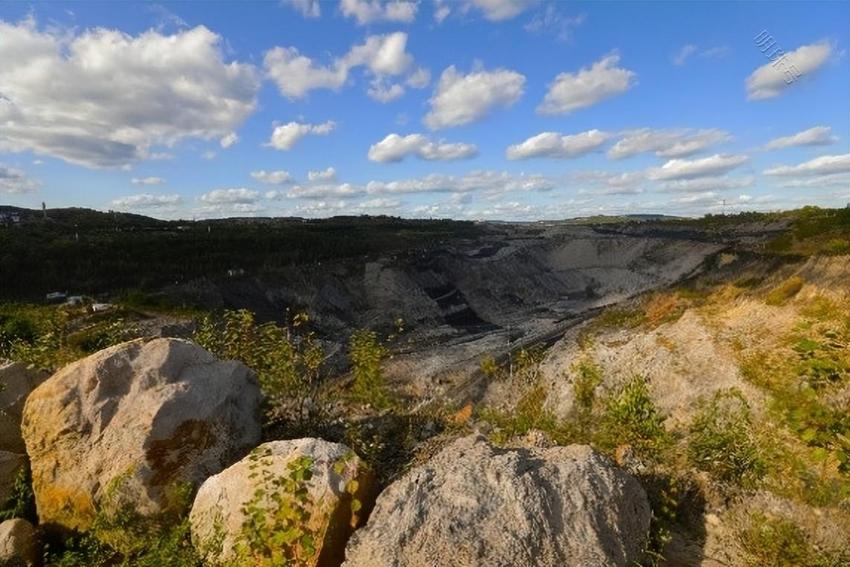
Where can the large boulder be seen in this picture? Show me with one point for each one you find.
(138, 420)
(326, 504)
(16, 383)
(18, 544)
(478, 505)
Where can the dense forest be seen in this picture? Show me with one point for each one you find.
(89, 252)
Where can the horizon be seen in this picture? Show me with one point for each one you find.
(507, 110)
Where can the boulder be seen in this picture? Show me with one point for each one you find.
(16, 383)
(18, 544)
(129, 424)
(477, 505)
(11, 464)
(332, 499)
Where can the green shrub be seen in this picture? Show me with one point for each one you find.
(588, 378)
(21, 501)
(287, 360)
(276, 530)
(631, 418)
(529, 413)
(721, 440)
(367, 354)
(777, 542)
(785, 291)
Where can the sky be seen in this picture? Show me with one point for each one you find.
(468, 109)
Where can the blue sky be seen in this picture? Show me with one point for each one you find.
(509, 109)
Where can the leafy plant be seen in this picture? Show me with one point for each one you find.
(721, 440)
(631, 418)
(276, 531)
(21, 501)
(367, 354)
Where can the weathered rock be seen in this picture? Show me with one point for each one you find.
(18, 544)
(140, 417)
(477, 505)
(16, 381)
(218, 516)
(11, 465)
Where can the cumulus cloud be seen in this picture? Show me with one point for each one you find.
(670, 143)
(147, 201)
(774, 78)
(609, 182)
(688, 169)
(823, 165)
(703, 184)
(296, 75)
(461, 99)
(395, 148)
(15, 181)
(490, 182)
(590, 85)
(229, 140)
(278, 177)
(686, 51)
(239, 195)
(147, 181)
(307, 8)
(498, 10)
(369, 11)
(816, 136)
(328, 174)
(104, 98)
(324, 191)
(285, 136)
(554, 145)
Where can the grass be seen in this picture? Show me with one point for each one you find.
(771, 541)
(781, 294)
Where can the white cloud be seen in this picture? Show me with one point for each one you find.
(772, 79)
(498, 10)
(230, 196)
(590, 85)
(229, 140)
(103, 98)
(395, 148)
(278, 177)
(689, 169)
(324, 191)
(307, 8)
(285, 137)
(819, 181)
(551, 21)
(816, 136)
(683, 54)
(609, 182)
(461, 99)
(671, 143)
(147, 201)
(441, 10)
(328, 174)
(703, 184)
(419, 79)
(382, 91)
(15, 181)
(823, 165)
(369, 11)
(554, 145)
(489, 182)
(147, 181)
(296, 75)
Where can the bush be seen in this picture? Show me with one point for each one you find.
(367, 354)
(631, 418)
(785, 291)
(777, 542)
(721, 440)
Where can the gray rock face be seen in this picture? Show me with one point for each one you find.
(134, 420)
(477, 505)
(18, 544)
(17, 381)
(217, 518)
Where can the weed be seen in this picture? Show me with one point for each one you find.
(631, 418)
(782, 293)
(367, 354)
(721, 440)
(777, 542)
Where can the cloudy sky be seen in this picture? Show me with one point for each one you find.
(507, 109)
